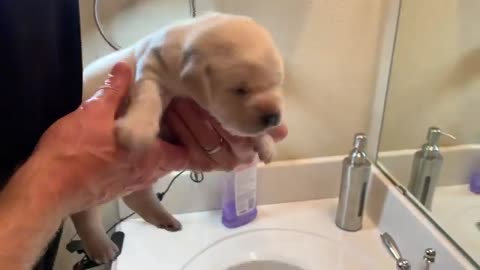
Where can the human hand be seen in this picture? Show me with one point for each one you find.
(91, 167)
(201, 134)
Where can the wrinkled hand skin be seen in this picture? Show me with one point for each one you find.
(98, 169)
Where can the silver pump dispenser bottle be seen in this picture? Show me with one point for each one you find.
(353, 187)
(426, 167)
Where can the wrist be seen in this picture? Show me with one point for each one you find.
(30, 213)
(37, 184)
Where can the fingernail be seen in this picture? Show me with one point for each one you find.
(119, 71)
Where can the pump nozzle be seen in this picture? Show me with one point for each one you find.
(434, 133)
(360, 142)
(357, 155)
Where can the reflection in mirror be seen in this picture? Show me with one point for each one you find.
(434, 97)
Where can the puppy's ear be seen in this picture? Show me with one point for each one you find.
(195, 73)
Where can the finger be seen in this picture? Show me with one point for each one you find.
(198, 123)
(159, 160)
(116, 86)
(170, 157)
(242, 148)
(200, 126)
(198, 159)
(234, 141)
(223, 156)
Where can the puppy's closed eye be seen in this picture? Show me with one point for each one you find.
(241, 91)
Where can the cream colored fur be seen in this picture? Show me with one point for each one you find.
(207, 59)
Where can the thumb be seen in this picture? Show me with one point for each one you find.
(171, 157)
(116, 86)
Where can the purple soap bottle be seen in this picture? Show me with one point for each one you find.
(240, 196)
(475, 181)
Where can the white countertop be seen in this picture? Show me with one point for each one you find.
(457, 210)
(147, 247)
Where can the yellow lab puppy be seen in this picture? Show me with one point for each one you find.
(228, 64)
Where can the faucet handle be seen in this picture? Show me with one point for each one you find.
(430, 255)
(391, 246)
(403, 264)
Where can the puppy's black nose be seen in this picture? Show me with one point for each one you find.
(271, 119)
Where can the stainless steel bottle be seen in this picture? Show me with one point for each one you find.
(353, 188)
(427, 163)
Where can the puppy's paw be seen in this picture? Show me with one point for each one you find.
(164, 220)
(266, 155)
(136, 134)
(100, 248)
(265, 147)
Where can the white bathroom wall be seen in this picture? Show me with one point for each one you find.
(435, 76)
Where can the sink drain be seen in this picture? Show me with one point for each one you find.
(478, 225)
(265, 265)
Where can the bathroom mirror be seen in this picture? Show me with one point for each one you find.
(434, 86)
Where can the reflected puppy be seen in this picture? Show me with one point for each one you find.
(228, 64)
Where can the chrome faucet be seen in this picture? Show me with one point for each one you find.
(401, 263)
(426, 167)
(429, 258)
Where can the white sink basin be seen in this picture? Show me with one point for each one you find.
(289, 236)
(264, 265)
(278, 249)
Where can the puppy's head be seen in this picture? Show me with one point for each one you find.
(235, 72)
